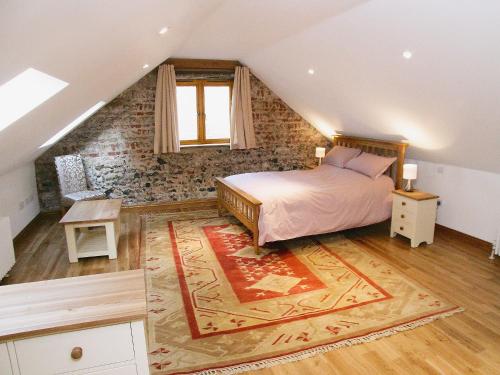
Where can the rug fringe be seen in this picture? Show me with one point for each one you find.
(307, 353)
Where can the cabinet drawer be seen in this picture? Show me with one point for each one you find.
(403, 204)
(5, 368)
(403, 226)
(53, 354)
(123, 370)
(403, 214)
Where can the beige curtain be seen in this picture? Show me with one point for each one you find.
(242, 132)
(166, 137)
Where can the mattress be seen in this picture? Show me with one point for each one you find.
(321, 200)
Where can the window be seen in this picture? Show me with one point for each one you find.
(203, 109)
(25, 92)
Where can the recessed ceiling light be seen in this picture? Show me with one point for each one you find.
(310, 71)
(407, 54)
(163, 30)
(25, 92)
(145, 66)
(89, 112)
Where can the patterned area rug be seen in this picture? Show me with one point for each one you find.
(217, 307)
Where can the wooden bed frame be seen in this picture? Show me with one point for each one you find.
(246, 208)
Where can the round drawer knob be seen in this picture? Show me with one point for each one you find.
(402, 216)
(403, 203)
(401, 228)
(76, 353)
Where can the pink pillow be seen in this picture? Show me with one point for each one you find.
(340, 155)
(370, 164)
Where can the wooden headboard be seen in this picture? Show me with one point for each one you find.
(378, 147)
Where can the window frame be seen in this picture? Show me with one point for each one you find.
(200, 107)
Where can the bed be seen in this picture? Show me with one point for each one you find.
(282, 205)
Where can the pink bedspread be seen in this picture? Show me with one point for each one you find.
(322, 200)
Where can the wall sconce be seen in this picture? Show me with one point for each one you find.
(320, 153)
(409, 174)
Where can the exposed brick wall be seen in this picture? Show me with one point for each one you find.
(116, 144)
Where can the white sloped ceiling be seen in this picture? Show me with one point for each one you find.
(97, 46)
(444, 100)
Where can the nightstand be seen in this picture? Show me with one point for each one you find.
(414, 216)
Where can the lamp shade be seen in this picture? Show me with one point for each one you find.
(410, 171)
(320, 152)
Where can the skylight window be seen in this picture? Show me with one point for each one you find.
(25, 92)
(89, 112)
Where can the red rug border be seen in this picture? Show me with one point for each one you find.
(182, 281)
(196, 334)
(319, 345)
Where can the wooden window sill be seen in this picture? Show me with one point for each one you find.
(206, 145)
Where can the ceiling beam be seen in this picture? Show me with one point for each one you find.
(203, 64)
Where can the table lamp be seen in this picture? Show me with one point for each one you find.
(320, 153)
(409, 174)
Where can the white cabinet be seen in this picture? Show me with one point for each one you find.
(78, 325)
(107, 350)
(414, 216)
(5, 366)
(7, 258)
(96, 347)
(124, 370)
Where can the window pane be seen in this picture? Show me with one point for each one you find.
(217, 112)
(187, 113)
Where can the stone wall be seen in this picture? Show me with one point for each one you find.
(116, 144)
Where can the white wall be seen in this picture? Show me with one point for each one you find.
(7, 257)
(469, 198)
(18, 197)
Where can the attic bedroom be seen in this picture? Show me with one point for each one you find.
(261, 187)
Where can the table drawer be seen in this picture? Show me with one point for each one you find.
(403, 226)
(403, 204)
(53, 354)
(399, 213)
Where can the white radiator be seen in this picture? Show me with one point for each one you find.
(7, 258)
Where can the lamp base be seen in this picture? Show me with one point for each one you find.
(408, 187)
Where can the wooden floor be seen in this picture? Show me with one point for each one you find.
(455, 267)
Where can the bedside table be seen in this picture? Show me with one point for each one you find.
(414, 215)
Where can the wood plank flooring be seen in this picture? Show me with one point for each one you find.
(455, 267)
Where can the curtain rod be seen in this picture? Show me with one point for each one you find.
(191, 65)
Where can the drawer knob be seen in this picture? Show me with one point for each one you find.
(403, 203)
(402, 216)
(401, 228)
(76, 353)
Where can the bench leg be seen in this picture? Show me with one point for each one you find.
(71, 242)
(219, 208)
(111, 239)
